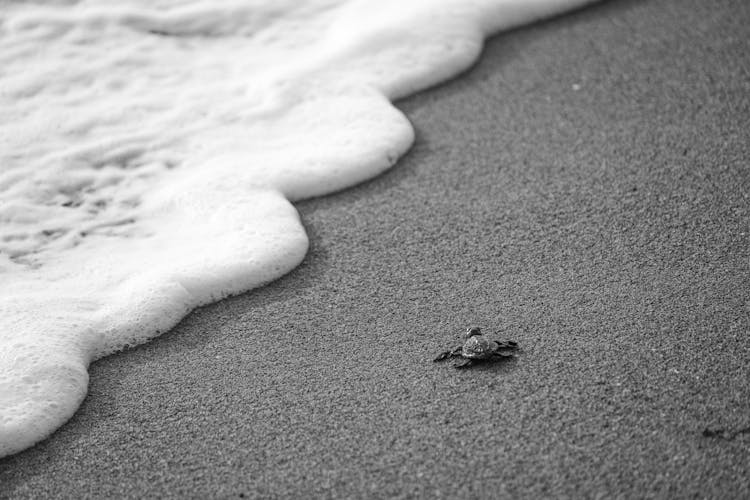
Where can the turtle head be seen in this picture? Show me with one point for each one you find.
(472, 331)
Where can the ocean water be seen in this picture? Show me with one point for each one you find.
(150, 152)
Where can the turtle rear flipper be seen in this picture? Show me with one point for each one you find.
(463, 363)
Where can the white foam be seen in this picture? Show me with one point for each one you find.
(149, 151)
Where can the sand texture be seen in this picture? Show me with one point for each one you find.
(584, 190)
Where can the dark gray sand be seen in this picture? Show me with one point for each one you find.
(585, 191)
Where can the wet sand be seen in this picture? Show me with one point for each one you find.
(584, 190)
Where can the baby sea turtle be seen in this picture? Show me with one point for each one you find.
(477, 348)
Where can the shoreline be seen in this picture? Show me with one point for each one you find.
(580, 190)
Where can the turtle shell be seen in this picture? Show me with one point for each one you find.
(478, 347)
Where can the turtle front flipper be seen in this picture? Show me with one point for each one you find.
(506, 345)
(442, 356)
(453, 353)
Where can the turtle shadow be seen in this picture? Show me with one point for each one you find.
(499, 366)
(495, 366)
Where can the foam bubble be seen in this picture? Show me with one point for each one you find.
(150, 151)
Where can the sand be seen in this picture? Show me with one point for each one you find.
(584, 190)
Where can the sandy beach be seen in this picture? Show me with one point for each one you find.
(584, 190)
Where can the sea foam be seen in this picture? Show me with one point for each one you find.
(149, 152)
